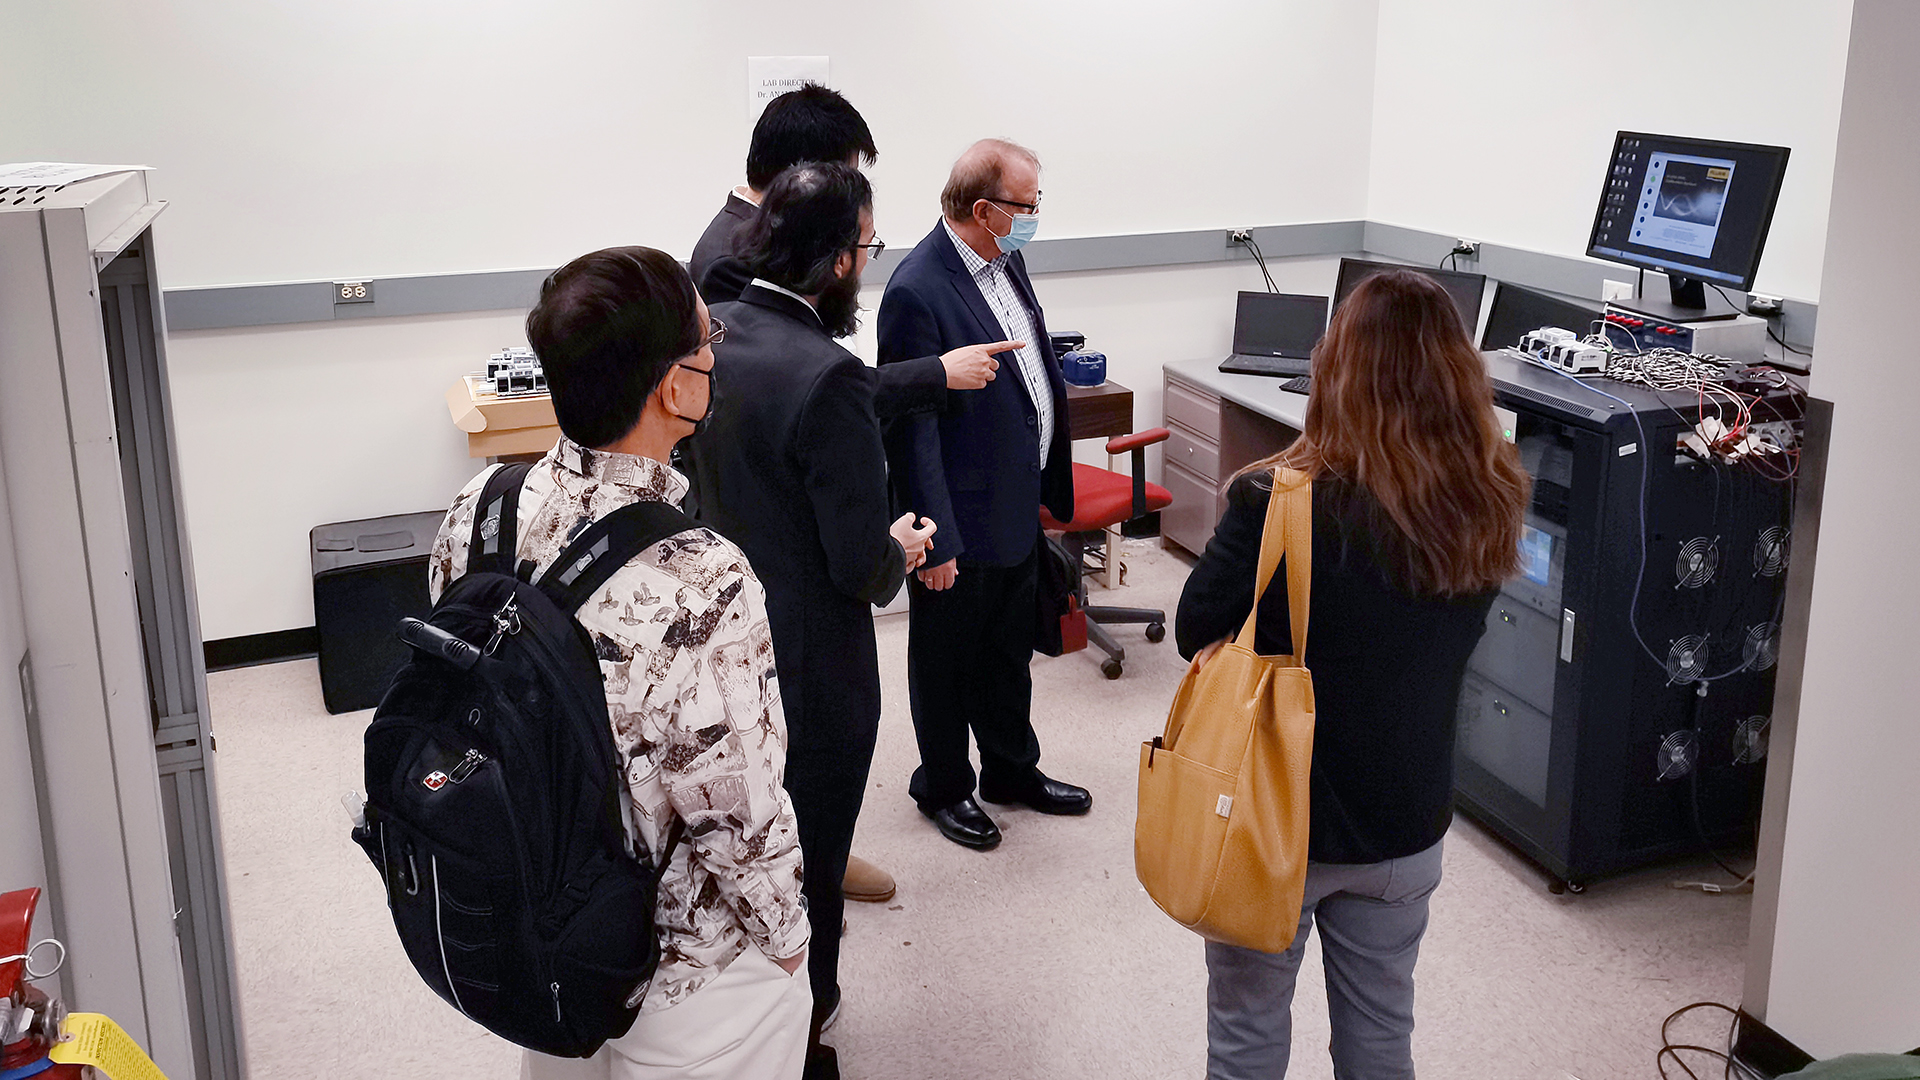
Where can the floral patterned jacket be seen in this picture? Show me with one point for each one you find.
(695, 705)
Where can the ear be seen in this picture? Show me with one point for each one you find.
(843, 263)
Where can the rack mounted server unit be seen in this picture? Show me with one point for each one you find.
(1582, 739)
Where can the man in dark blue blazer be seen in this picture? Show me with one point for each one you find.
(981, 468)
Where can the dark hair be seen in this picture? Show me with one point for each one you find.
(812, 123)
(607, 327)
(977, 174)
(808, 216)
(1402, 407)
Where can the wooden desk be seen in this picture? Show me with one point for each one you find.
(1099, 412)
(501, 427)
(524, 425)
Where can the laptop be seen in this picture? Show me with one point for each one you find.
(1274, 333)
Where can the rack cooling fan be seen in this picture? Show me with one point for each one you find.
(1750, 740)
(1686, 659)
(1762, 648)
(1699, 558)
(1679, 752)
(1770, 551)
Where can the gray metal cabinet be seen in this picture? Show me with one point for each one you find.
(99, 620)
(1192, 464)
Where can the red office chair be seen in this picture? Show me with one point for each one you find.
(1103, 498)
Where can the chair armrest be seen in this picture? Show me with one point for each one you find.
(1121, 444)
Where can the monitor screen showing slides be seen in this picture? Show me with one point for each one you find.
(1689, 207)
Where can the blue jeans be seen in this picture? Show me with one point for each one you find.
(1371, 918)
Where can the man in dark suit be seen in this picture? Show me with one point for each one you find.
(981, 469)
(814, 123)
(792, 470)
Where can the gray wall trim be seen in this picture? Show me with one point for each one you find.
(219, 307)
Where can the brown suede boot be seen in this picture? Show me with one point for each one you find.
(866, 882)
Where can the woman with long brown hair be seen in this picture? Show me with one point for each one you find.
(1417, 510)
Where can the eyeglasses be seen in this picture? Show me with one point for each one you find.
(716, 333)
(874, 249)
(1025, 208)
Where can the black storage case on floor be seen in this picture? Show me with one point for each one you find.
(1574, 744)
(367, 575)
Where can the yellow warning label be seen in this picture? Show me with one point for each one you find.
(93, 1039)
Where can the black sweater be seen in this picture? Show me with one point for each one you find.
(1386, 661)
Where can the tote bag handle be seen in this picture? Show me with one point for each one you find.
(1288, 531)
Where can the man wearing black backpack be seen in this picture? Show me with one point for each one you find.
(687, 662)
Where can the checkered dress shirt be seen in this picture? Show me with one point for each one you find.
(1016, 323)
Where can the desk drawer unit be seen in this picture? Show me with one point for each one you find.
(1192, 465)
(1194, 409)
(1190, 452)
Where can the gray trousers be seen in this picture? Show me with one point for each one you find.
(1371, 917)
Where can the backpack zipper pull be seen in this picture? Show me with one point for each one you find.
(505, 621)
(466, 766)
(556, 1003)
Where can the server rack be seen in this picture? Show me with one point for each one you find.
(98, 597)
(1584, 739)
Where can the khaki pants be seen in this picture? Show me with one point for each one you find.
(749, 1023)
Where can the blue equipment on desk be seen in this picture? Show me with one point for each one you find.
(1084, 367)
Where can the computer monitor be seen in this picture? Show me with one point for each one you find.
(1696, 210)
(1517, 310)
(1466, 289)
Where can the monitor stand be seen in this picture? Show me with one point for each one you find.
(1691, 301)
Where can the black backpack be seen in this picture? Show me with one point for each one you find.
(495, 804)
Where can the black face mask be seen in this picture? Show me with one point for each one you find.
(713, 400)
(839, 305)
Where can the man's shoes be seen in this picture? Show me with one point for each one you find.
(866, 882)
(1042, 794)
(966, 824)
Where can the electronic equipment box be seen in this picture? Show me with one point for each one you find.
(1581, 739)
(1742, 337)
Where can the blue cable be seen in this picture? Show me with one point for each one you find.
(1646, 481)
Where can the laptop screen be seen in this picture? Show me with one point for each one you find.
(1278, 324)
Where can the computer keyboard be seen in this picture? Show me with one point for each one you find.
(1299, 385)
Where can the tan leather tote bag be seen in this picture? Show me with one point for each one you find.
(1221, 840)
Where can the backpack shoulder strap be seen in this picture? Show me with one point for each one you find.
(603, 547)
(496, 521)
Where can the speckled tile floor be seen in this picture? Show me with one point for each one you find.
(1042, 958)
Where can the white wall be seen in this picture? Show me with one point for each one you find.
(1493, 119)
(350, 139)
(302, 141)
(364, 139)
(1846, 943)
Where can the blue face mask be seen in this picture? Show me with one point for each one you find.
(1024, 226)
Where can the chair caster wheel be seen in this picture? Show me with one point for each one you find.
(1156, 631)
(1110, 668)
(1557, 887)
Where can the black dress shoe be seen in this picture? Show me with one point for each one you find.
(1045, 795)
(966, 824)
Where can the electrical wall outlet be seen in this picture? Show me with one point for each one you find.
(1469, 248)
(353, 292)
(1611, 290)
(1762, 304)
(1239, 236)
